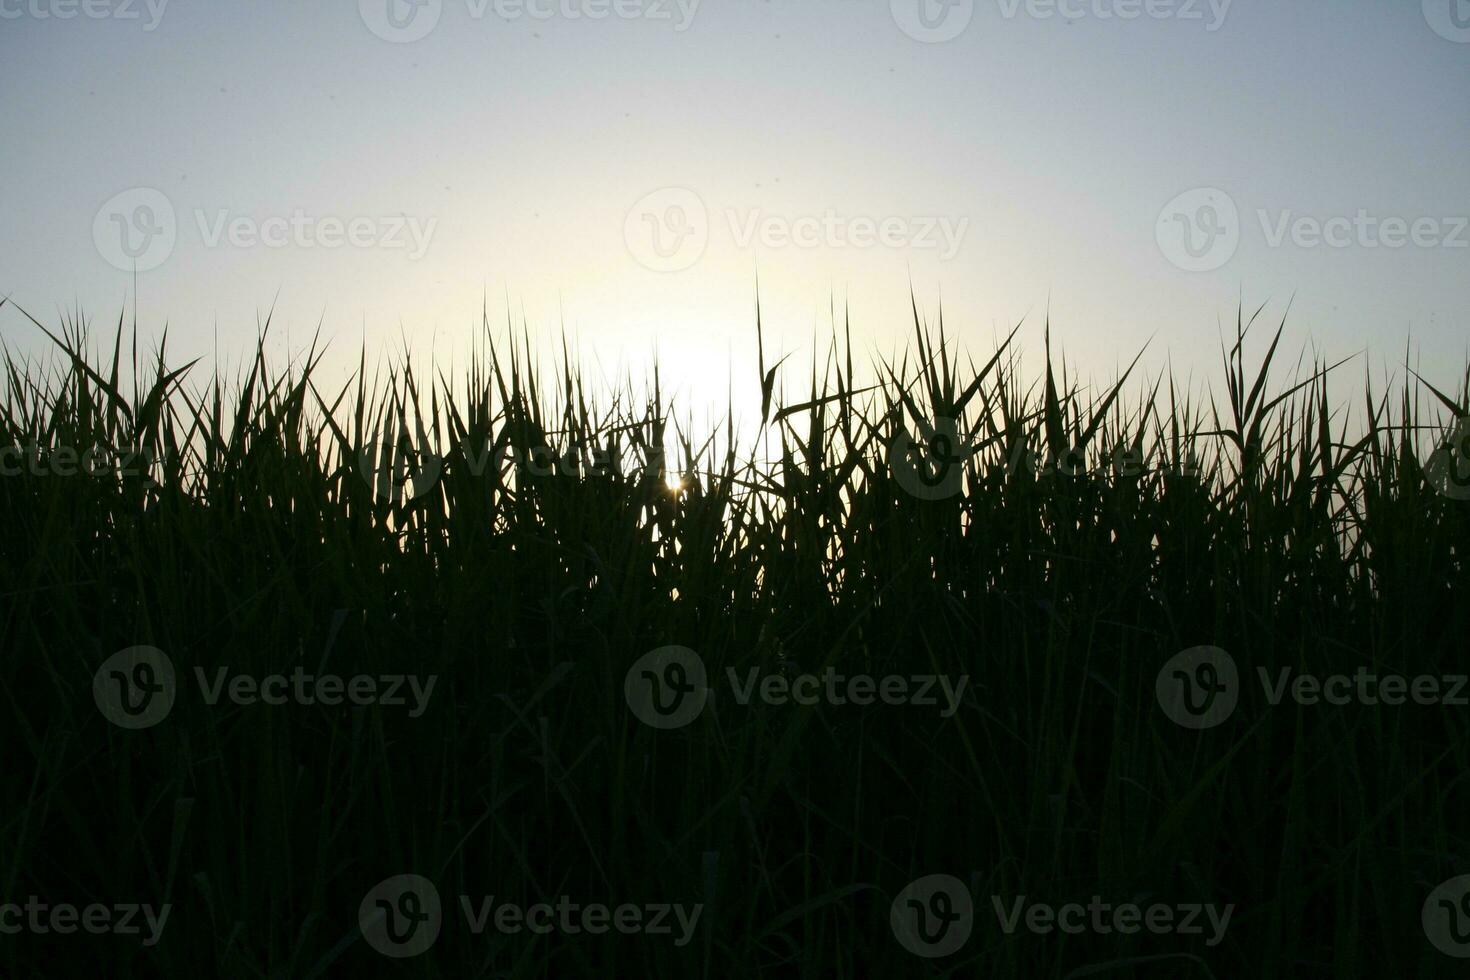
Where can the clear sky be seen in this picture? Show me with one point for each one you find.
(622, 169)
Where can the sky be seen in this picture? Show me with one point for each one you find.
(624, 173)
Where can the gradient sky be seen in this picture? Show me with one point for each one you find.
(545, 151)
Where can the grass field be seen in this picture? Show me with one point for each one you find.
(1006, 567)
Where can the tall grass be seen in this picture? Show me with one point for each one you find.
(1094, 534)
